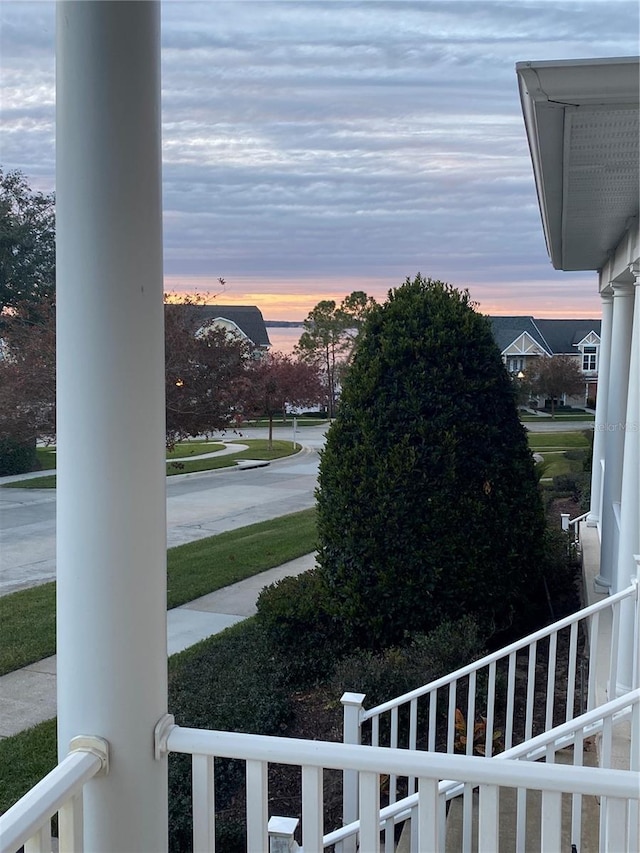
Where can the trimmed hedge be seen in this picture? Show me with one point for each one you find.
(428, 502)
(17, 456)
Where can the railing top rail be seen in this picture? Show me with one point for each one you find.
(23, 819)
(402, 762)
(587, 720)
(501, 653)
(578, 518)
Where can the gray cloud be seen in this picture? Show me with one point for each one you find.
(337, 139)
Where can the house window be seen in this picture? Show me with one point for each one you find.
(589, 358)
(515, 365)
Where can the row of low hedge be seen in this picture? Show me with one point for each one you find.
(245, 680)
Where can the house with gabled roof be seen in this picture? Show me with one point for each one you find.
(243, 321)
(524, 339)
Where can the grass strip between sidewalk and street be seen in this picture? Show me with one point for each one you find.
(178, 464)
(28, 617)
(546, 441)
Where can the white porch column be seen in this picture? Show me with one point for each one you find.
(614, 429)
(111, 552)
(599, 436)
(629, 544)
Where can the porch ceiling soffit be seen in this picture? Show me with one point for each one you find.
(581, 119)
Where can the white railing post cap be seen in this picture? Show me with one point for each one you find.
(281, 830)
(353, 699)
(97, 746)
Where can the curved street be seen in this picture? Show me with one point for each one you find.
(198, 505)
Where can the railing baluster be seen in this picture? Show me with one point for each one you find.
(389, 835)
(511, 689)
(551, 680)
(488, 819)
(471, 713)
(491, 709)
(594, 642)
(428, 815)
(467, 816)
(312, 800)
(375, 731)
(369, 807)
(70, 825)
(413, 739)
(203, 788)
(451, 715)
(615, 642)
(571, 674)
(393, 781)
(576, 799)
(550, 821)
(40, 842)
(531, 686)
(257, 818)
(431, 731)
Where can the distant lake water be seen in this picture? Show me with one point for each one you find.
(283, 339)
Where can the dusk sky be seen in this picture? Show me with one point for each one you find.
(315, 148)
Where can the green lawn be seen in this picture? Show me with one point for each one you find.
(27, 617)
(561, 416)
(179, 463)
(552, 446)
(545, 441)
(46, 458)
(193, 448)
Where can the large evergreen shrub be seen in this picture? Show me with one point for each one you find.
(428, 504)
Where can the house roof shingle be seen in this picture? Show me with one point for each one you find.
(555, 336)
(248, 318)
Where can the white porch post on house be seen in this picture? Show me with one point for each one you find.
(629, 545)
(111, 530)
(599, 437)
(614, 430)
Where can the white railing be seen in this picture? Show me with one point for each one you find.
(474, 709)
(618, 788)
(28, 823)
(575, 736)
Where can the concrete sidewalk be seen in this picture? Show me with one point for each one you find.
(28, 696)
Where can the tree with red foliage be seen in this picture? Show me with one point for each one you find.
(278, 380)
(27, 382)
(206, 373)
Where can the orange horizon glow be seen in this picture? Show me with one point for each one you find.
(292, 300)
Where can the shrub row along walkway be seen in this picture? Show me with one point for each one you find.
(28, 696)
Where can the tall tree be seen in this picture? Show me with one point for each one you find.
(206, 374)
(27, 242)
(553, 377)
(428, 503)
(330, 331)
(277, 380)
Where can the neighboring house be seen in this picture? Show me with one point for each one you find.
(244, 321)
(522, 340)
